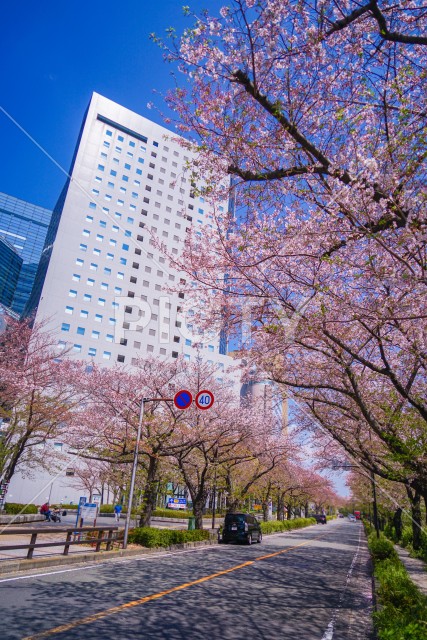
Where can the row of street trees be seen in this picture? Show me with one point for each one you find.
(317, 111)
(242, 449)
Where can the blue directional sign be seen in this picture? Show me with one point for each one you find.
(182, 399)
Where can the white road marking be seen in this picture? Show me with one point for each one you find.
(48, 573)
(329, 633)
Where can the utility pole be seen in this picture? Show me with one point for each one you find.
(134, 467)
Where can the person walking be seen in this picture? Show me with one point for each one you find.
(117, 512)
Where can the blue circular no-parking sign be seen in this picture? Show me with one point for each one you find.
(182, 399)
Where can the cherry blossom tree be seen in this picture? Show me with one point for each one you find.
(105, 428)
(237, 446)
(317, 111)
(35, 399)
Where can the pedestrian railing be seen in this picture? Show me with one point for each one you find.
(75, 535)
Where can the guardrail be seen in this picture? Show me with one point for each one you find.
(71, 532)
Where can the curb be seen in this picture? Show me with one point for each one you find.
(11, 519)
(13, 566)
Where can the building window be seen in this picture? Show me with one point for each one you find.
(98, 317)
(101, 302)
(90, 282)
(87, 297)
(92, 351)
(69, 472)
(109, 337)
(120, 358)
(65, 326)
(93, 266)
(80, 331)
(101, 167)
(84, 313)
(106, 355)
(174, 354)
(95, 335)
(77, 348)
(72, 293)
(83, 247)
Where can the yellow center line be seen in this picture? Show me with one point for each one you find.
(155, 596)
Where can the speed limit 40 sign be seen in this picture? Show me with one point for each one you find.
(204, 399)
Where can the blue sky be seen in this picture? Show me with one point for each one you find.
(54, 54)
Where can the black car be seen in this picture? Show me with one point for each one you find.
(320, 518)
(241, 527)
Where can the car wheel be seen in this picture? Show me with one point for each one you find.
(249, 539)
(259, 537)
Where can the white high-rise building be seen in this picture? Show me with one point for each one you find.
(102, 280)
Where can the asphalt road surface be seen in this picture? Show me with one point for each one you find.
(309, 584)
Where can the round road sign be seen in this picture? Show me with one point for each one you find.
(204, 399)
(182, 399)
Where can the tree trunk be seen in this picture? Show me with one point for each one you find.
(198, 509)
(415, 500)
(150, 493)
(280, 507)
(397, 523)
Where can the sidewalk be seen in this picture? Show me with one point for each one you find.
(416, 568)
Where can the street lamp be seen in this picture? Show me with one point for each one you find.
(134, 466)
(214, 488)
(135, 463)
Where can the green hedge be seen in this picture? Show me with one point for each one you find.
(150, 537)
(172, 513)
(12, 508)
(275, 526)
(402, 613)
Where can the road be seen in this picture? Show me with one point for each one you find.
(309, 584)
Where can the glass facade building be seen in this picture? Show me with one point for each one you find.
(10, 267)
(24, 226)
